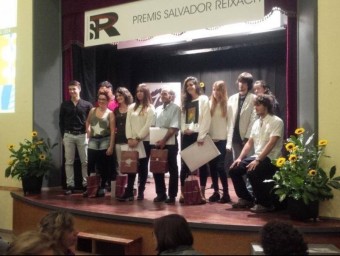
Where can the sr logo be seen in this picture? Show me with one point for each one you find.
(104, 21)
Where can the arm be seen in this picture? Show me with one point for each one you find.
(161, 143)
(246, 149)
(112, 133)
(88, 123)
(204, 119)
(149, 120)
(128, 129)
(230, 124)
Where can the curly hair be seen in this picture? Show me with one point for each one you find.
(280, 238)
(56, 224)
(128, 99)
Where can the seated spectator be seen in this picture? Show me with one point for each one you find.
(31, 243)
(173, 236)
(59, 226)
(280, 238)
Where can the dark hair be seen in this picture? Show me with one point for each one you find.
(126, 94)
(280, 238)
(74, 83)
(105, 94)
(146, 100)
(247, 78)
(172, 231)
(186, 97)
(267, 101)
(106, 84)
(264, 85)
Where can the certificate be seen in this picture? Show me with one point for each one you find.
(195, 156)
(157, 133)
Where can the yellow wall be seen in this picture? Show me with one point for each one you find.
(329, 90)
(17, 126)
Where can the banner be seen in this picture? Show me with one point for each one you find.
(143, 19)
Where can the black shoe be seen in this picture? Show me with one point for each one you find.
(215, 197)
(225, 199)
(170, 200)
(69, 191)
(159, 199)
(101, 192)
(126, 197)
(85, 194)
(140, 196)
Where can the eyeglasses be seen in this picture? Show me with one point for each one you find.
(102, 99)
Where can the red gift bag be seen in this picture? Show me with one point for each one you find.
(93, 184)
(121, 181)
(129, 162)
(159, 161)
(192, 192)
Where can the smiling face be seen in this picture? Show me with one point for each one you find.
(259, 89)
(140, 94)
(102, 100)
(191, 88)
(120, 98)
(74, 91)
(165, 96)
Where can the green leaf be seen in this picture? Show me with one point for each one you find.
(334, 184)
(332, 171)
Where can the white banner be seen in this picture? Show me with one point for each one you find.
(143, 19)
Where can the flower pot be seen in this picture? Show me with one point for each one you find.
(31, 185)
(298, 210)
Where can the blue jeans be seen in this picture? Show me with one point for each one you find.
(71, 142)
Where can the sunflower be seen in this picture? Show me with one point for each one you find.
(299, 131)
(292, 158)
(280, 161)
(201, 84)
(26, 160)
(323, 142)
(312, 172)
(42, 157)
(34, 134)
(290, 146)
(11, 147)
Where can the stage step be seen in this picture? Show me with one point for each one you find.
(108, 245)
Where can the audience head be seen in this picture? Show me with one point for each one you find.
(123, 95)
(245, 79)
(280, 238)
(31, 243)
(172, 231)
(266, 101)
(59, 225)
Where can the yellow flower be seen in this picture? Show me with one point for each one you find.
(299, 131)
(292, 158)
(312, 172)
(42, 157)
(290, 146)
(10, 146)
(323, 142)
(26, 160)
(10, 162)
(201, 84)
(280, 161)
(34, 134)
(296, 148)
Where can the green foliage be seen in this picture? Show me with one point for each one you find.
(33, 158)
(299, 175)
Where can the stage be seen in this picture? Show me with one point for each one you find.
(217, 228)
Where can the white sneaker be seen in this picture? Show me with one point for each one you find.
(260, 208)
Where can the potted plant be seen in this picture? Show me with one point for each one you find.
(30, 162)
(300, 179)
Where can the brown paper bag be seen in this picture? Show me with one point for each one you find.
(159, 161)
(129, 162)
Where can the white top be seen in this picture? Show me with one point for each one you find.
(200, 124)
(138, 123)
(271, 126)
(219, 124)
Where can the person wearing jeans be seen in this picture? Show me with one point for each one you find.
(72, 124)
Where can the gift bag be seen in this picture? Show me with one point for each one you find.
(159, 161)
(192, 193)
(121, 181)
(93, 185)
(129, 162)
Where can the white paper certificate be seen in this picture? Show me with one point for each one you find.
(157, 133)
(195, 156)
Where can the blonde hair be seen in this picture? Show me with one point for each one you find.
(222, 89)
(30, 243)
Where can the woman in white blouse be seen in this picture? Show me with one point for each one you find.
(219, 132)
(139, 118)
(195, 126)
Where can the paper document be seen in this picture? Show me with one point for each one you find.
(195, 156)
(157, 133)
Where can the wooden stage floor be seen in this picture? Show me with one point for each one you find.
(208, 217)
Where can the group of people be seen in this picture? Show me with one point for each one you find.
(245, 124)
(56, 235)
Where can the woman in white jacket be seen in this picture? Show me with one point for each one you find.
(195, 126)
